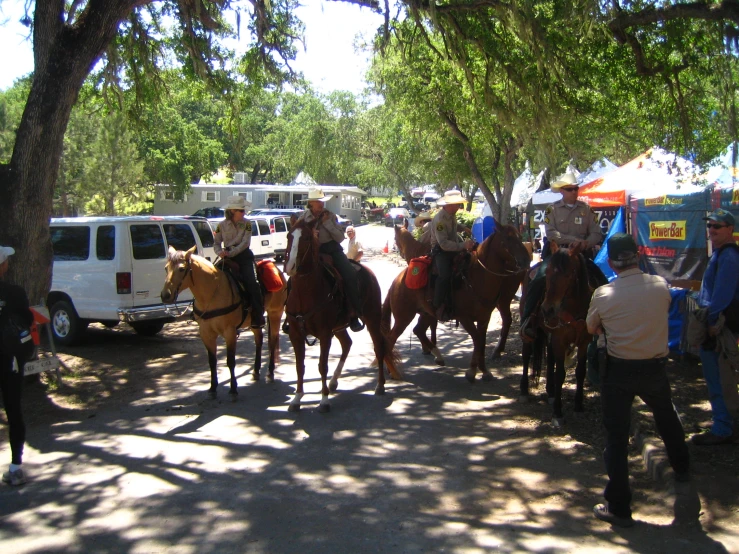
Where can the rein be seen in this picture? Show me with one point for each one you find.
(205, 314)
(508, 271)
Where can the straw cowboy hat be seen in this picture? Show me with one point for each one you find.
(316, 193)
(5, 253)
(566, 180)
(237, 203)
(422, 218)
(451, 197)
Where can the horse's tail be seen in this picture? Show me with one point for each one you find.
(392, 360)
(386, 313)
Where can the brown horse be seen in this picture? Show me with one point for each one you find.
(501, 256)
(562, 318)
(315, 308)
(410, 248)
(218, 310)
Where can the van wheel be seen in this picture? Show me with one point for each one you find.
(148, 328)
(65, 323)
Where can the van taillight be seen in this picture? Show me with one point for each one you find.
(271, 228)
(123, 283)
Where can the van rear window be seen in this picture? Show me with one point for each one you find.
(263, 227)
(70, 243)
(280, 226)
(179, 236)
(204, 232)
(105, 244)
(147, 242)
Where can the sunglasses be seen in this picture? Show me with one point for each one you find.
(715, 226)
(570, 189)
(242, 211)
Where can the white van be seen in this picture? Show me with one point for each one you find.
(111, 269)
(262, 242)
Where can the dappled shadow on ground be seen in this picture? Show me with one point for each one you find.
(436, 464)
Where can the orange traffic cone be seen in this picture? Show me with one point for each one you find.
(386, 250)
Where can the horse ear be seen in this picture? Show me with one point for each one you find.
(405, 223)
(189, 253)
(577, 249)
(171, 252)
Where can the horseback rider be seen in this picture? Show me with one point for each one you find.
(445, 245)
(568, 222)
(330, 235)
(234, 233)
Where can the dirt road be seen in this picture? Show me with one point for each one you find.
(129, 455)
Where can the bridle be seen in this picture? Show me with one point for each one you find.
(563, 318)
(508, 272)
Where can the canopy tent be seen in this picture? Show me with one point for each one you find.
(599, 169)
(722, 172)
(524, 187)
(655, 172)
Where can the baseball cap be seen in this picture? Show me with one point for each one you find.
(622, 247)
(5, 253)
(727, 218)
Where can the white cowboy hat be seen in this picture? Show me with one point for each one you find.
(316, 193)
(451, 197)
(422, 218)
(566, 180)
(5, 253)
(237, 203)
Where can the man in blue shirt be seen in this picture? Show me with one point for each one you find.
(720, 294)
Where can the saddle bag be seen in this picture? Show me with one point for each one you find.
(417, 274)
(269, 275)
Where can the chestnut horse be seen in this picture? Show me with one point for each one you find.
(410, 248)
(218, 311)
(562, 318)
(316, 309)
(501, 256)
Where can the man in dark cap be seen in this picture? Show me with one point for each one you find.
(637, 355)
(720, 295)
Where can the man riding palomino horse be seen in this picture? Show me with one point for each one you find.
(445, 245)
(568, 222)
(232, 241)
(330, 236)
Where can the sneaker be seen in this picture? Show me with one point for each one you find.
(14, 478)
(286, 327)
(355, 324)
(602, 512)
(707, 438)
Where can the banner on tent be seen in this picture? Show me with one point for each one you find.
(605, 219)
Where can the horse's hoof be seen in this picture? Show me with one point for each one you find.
(496, 355)
(551, 400)
(426, 352)
(234, 396)
(270, 378)
(523, 398)
(487, 377)
(293, 408)
(558, 422)
(440, 362)
(332, 387)
(212, 394)
(255, 376)
(470, 376)
(379, 391)
(324, 408)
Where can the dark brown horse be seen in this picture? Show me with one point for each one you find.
(501, 256)
(315, 308)
(218, 311)
(410, 248)
(562, 320)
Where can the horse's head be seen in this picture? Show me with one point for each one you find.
(506, 246)
(179, 271)
(302, 247)
(566, 279)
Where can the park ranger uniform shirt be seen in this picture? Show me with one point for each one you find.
(633, 311)
(444, 232)
(327, 230)
(236, 237)
(565, 224)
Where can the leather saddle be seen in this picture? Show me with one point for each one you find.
(335, 277)
(233, 271)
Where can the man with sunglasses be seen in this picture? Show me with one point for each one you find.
(720, 295)
(568, 222)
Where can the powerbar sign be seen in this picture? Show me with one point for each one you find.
(667, 230)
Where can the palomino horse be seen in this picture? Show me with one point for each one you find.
(218, 311)
(562, 318)
(501, 256)
(315, 308)
(410, 248)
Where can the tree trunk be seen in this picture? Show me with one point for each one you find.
(63, 57)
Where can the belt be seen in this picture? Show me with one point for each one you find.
(648, 361)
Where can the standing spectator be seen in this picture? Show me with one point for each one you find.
(13, 303)
(637, 355)
(354, 250)
(720, 295)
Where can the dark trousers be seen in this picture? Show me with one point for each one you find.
(444, 262)
(345, 269)
(535, 290)
(12, 387)
(249, 274)
(647, 379)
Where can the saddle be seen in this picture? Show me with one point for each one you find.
(335, 278)
(233, 271)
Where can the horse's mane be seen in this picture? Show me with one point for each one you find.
(178, 257)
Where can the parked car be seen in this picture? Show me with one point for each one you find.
(109, 269)
(212, 214)
(396, 216)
